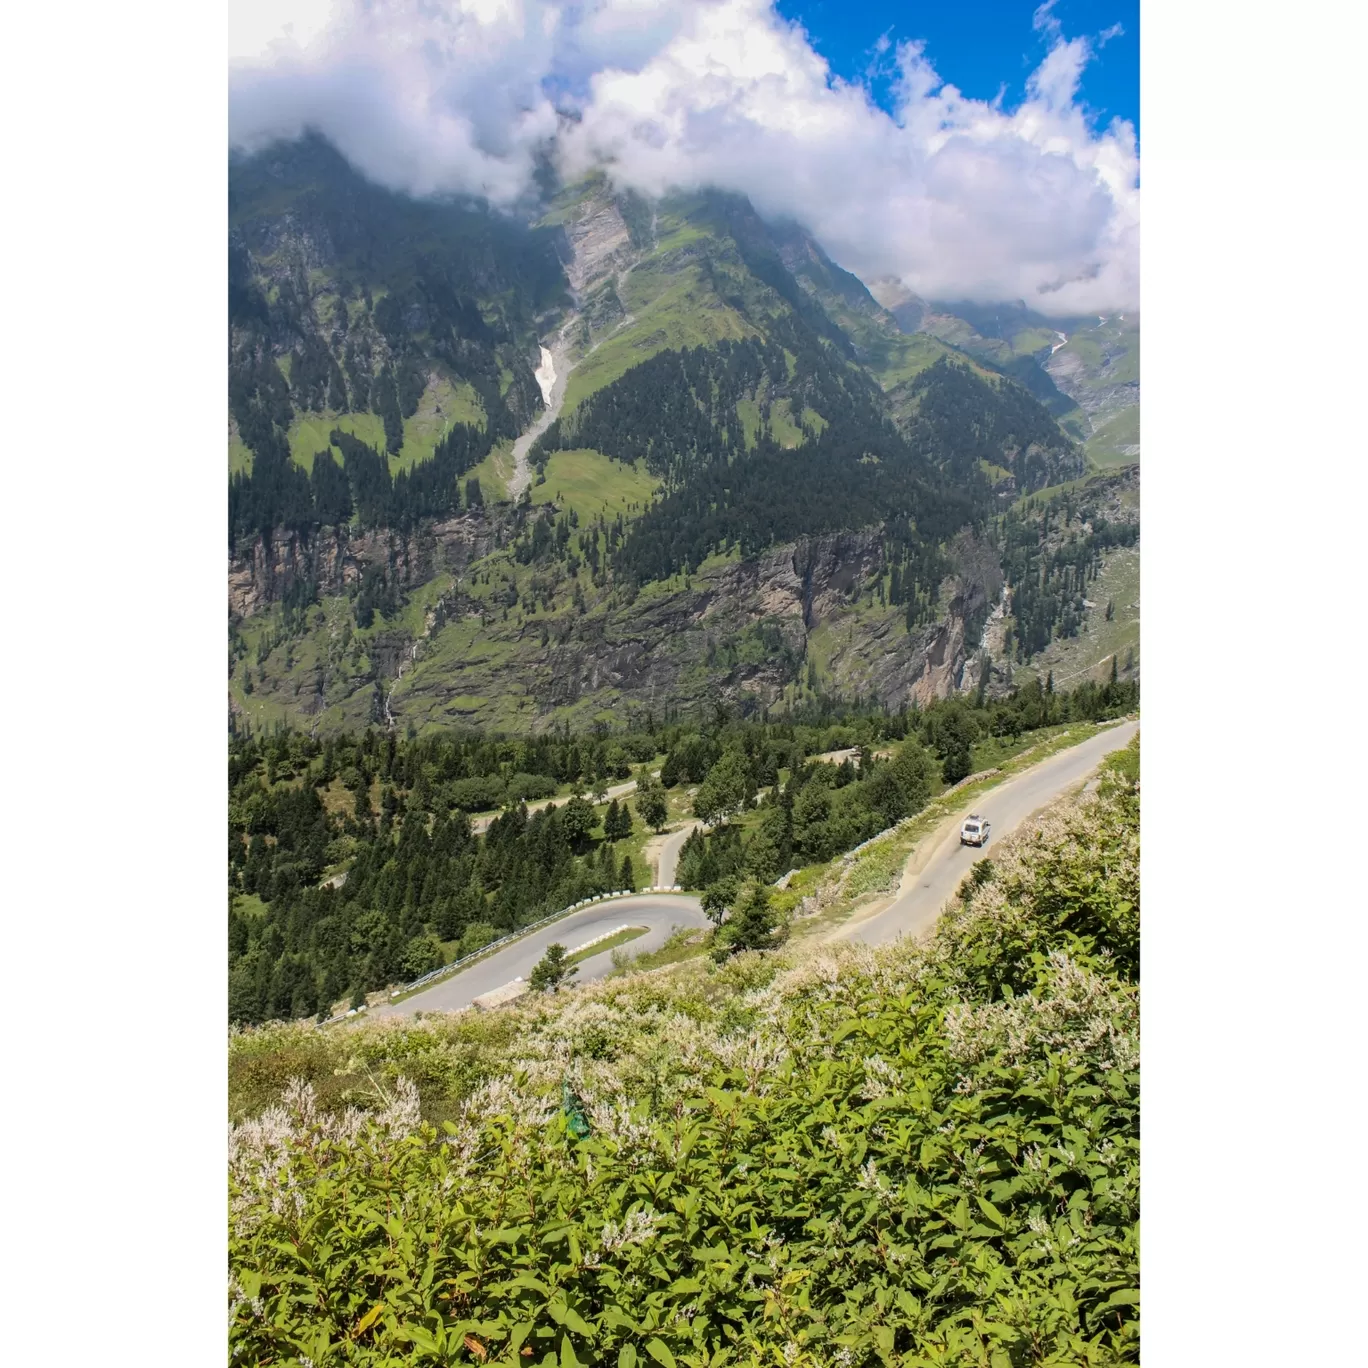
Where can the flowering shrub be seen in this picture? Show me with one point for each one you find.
(912, 1155)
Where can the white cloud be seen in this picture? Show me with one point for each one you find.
(953, 195)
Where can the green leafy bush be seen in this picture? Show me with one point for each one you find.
(916, 1155)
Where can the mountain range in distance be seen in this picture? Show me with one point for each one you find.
(622, 455)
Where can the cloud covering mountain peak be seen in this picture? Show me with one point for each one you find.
(954, 196)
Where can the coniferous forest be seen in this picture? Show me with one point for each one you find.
(415, 878)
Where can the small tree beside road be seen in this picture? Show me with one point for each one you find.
(752, 925)
(651, 805)
(551, 970)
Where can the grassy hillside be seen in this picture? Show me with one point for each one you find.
(1099, 369)
(1117, 442)
(593, 486)
(689, 287)
(1013, 340)
(943, 1171)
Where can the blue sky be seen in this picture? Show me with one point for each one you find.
(981, 46)
(1035, 198)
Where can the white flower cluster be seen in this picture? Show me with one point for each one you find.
(616, 1120)
(639, 1227)
(1078, 1011)
(262, 1152)
(880, 1078)
(871, 1180)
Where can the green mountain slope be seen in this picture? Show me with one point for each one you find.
(752, 486)
(389, 318)
(1084, 370)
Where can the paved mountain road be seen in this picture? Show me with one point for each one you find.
(669, 854)
(660, 913)
(933, 876)
(929, 881)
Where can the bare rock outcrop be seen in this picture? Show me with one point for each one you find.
(738, 634)
(262, 572)
(599, 242)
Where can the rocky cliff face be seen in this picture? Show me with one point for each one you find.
(333, 559)
(907, 309)
(740, 633)
(1093, 388)
(598, 244)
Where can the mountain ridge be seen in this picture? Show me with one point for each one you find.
(824, 430)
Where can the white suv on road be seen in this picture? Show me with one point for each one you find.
(975, 830)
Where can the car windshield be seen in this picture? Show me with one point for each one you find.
(971, 826)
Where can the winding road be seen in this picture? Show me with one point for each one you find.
(939, 864)
(931, 878)
(660, 913)
(669, 854)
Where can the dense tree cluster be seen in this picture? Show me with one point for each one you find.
(1051, 551)
(678, 412)
(358, 295)
(820, 811)
(852, 475)
(961, 420)
(278, 493)
(418, 878)
(823, 810)
(675, 412)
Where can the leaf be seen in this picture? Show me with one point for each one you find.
(658, 1351)
(992, 1213)
(568, 1357)
(476, 1347)
(518, 1334)
(574, 1321)
(368, 1319)
(422, 1339)
(627, 1356)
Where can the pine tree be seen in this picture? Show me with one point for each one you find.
(551, 970)
(617, 822)
(753, 925)
(670, 770)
